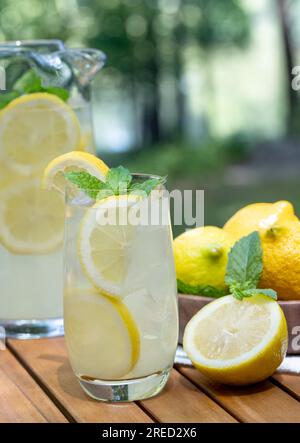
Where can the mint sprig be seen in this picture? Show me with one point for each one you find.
(205, 290)
(29, 83)
(86, 182)
(7, 97)
(118, 181)
(245, 267)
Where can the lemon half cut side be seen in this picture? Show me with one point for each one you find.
(237, 342)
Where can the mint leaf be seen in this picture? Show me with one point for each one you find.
(28, 83)
(86, 182)
(59, 92)
(205, 290)
(146, 186)
(7, 97)
(245, 262)
(104, 193)
(119, 179)
(269, 292)
(244, 268)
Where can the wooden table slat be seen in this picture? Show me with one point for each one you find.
(48, 362)
(37, 385)
(260, 403)
(15, 407)
(288, 382)
(182, 402)
(29, 388)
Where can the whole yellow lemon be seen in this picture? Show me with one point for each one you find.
(259, 217)
(279, 230)
(201, 256)
(281, 260)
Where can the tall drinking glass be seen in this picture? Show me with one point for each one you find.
(120, 301)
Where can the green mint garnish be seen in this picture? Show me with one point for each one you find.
(86, 182)
(245, 261)
(244, 268)
(205, 290)
(146, 186)
(29, 83)
(62, 93)
(118, 181)
(7, 97)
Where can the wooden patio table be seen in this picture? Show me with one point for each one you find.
(37, 385)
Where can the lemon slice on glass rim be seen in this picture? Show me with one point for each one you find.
(74, 161)
(237, 342)
(35, 128)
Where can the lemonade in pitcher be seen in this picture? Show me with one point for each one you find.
(44, 112)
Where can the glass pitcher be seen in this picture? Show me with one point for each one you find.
(44, 112)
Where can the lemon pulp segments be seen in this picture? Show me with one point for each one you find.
(35, 128)
(31, 219)
(237, 342)
(104, 248)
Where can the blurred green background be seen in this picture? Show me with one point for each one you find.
(199, 90)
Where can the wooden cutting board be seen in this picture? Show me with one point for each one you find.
(189, 305)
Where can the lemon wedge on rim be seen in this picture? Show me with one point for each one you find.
(72, 161)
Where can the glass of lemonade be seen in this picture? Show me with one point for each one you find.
(120, 299)
(44, 112)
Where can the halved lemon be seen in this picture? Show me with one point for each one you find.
(237, 342)
(35, 128)
(102, 337)
(72, 161)
(104, 243)
(31, 219)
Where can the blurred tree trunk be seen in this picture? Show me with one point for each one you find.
(151, 131)
(180, 96)
(291, 124)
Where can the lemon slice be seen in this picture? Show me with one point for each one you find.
(104, 243)
(31, 219)
(72, 161)
(237, 342)
(34, 129)
(102, 337)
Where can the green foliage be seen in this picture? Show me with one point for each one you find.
(222, 23)
(144, 40)
(179, 160)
